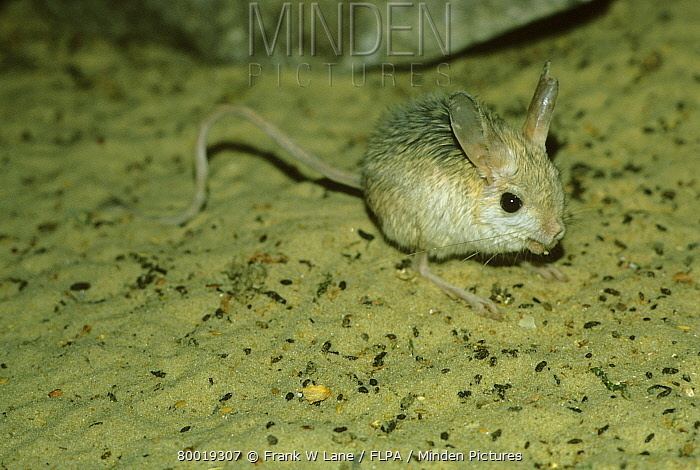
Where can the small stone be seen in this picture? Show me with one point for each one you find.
(316, 393)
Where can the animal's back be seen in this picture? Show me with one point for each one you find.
(413, 174)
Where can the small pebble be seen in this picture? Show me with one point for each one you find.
(315, 393)
(684, 278)
(80, 286)
(527, 322)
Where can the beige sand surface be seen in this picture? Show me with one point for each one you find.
(123, 342)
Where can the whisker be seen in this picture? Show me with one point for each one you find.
(575, 216)
(513, 234)
(471, 256)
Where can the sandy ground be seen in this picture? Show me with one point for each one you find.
(124, 342)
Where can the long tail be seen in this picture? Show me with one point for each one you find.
(202, 168)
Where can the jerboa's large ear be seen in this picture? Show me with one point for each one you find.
(539, 113)
(480, 144)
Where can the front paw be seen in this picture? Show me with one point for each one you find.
(548, 272)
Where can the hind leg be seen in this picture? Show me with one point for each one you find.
(483, 307)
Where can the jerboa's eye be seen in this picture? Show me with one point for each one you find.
(510, 202)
